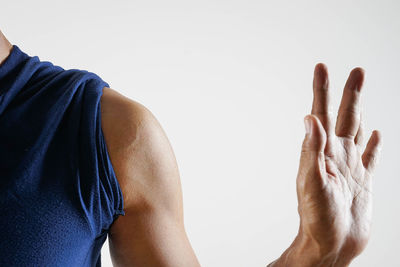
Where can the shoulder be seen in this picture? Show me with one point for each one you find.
(140, 152)
(122, 117)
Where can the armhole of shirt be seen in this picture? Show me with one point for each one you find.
(119, 203)
(105, 160)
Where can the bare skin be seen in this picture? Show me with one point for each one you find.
(334, 179)
(5, 47)
(333, 182)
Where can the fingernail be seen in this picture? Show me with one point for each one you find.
(307, 124)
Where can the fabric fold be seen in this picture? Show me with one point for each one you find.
(59, 193)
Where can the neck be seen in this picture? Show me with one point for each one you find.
(5, 48)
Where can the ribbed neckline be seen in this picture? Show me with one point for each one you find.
(14, 58)
(10, 56)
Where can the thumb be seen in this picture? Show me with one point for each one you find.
(315, 138)
(312, 159)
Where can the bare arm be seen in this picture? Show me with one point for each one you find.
(152, 232)
(333, 184)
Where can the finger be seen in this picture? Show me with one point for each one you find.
(315, 139)
(371, 154)
(321, 100)
(359, 139)
(312, 160)
(348, 119)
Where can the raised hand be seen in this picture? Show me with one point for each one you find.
(334, 179)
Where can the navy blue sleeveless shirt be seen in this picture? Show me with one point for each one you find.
(58, 191)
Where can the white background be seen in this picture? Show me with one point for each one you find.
(230, 82)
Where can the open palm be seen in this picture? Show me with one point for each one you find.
(334, 178)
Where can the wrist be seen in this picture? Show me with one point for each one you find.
(306, 252)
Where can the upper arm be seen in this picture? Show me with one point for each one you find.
(152, 231)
